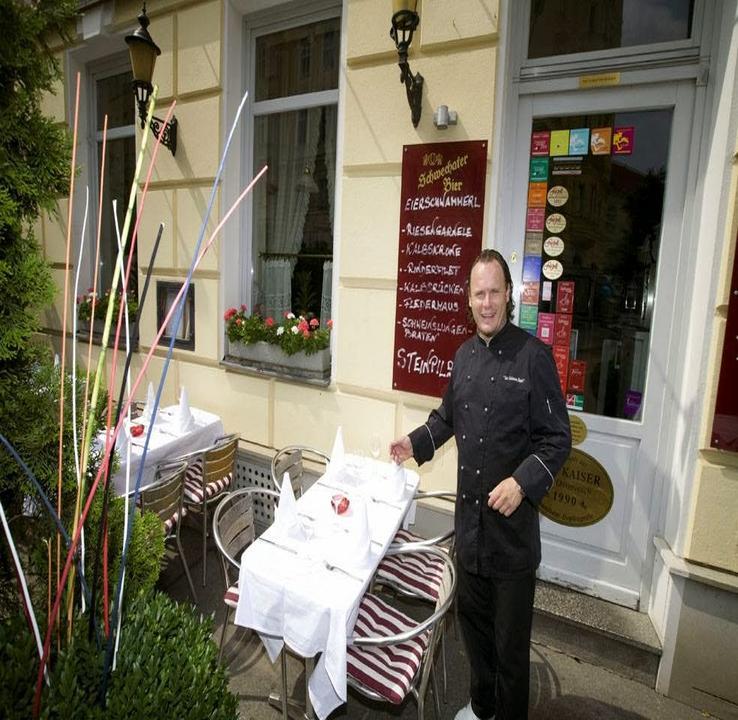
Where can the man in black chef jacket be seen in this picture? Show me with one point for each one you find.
(505, 409)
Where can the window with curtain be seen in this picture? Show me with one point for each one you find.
(294, 125)
(113, 96)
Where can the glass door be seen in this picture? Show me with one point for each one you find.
(591, 225)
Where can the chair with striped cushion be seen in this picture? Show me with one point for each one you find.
(210, 473)
(390, 654)
(291, 459)
(165, 497)
(234, 529)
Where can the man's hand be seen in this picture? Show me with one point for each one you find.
(401, 449)
(506, 497)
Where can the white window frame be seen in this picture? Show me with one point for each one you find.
(101, 69)
(256, 26)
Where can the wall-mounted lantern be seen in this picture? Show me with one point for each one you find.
(405, 20)
(144, 51)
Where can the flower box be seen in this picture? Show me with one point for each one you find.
(266, 357)
(98, 326)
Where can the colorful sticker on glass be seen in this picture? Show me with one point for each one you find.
(533, 243)
(577, 375)
(537, 194)
(539, 142)
(574, 401)
(531, 268)
(600, 141)
(546, 322)
(546, 291)
(579, 141)
(529, 317)
(557, 196)
(555, 223)
(531, 292)
(562, 331)
(553, 246)
(622, 141)
(538, 169)
(552, 269)
(559, 142)
(534, 219)
(565, 296)
(561, 358)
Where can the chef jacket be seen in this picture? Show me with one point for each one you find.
(505, 408)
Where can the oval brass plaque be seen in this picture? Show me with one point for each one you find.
(582, 493)
(578, 430)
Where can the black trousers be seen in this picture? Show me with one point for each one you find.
(495, 616)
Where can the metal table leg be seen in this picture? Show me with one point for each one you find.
(293, 709)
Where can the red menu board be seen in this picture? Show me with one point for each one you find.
(441, 221)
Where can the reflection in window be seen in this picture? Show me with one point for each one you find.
(561, 27)
(606, 240)
(113, 97)
(292, 238)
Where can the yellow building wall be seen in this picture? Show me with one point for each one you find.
(269, 412)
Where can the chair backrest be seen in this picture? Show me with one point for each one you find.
(234, 525)
(448, 535)
(291, 459)
(430, 626)
(164, 497)
(220, 459)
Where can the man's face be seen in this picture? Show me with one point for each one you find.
(488, 297)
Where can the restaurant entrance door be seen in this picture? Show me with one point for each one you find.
(592, 224)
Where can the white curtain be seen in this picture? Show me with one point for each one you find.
(325, 295)
(291, 157)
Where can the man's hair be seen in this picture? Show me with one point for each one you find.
(488, 256)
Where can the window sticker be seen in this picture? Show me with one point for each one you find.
(552, 269)
(622, 141)
(529, 317)
(555, 223)
(579, 141)
(600, 141)
(565, 296)
(539, 142)
(530, 294)
(546, 323)
(559, 142)
(534, 219)
(533, 243)
(557, 196)
(531, 268)
(553, 246)
(538, 169)
(537, 194)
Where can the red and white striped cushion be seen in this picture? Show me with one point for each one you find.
(194, 491)
(231, 596)
(414, 573)
(388, 671)
(169, 523)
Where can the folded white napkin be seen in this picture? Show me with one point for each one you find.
(149, 407)
(286, 521)
(396, 483)
(183, 420)
(354, 550)
(337, 460)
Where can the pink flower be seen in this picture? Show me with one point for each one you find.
(314, 323)
(306, 333)
(239, 321)
(329, 324)
(302, 326)
(243, 308)
(229, 314)
(286, 314)
(269, 322)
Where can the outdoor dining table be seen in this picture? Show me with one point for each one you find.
(303, 589)
(167, 441)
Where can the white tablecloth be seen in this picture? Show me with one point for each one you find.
(291, 596)
(166, 442)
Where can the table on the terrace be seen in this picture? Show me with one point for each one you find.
(166, 442)
(289, 594)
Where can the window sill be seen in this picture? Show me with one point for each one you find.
(83, 335)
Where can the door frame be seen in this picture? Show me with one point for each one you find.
(674, 75)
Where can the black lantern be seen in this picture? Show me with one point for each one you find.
(405, 20)
(144, 51)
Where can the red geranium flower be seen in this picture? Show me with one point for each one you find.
(269, 322)
(229, 313)
(329, 324)
(314, 323)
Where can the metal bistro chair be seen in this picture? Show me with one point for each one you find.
(165, 497)
(210, 473)
(234, 529)
(291, 459)
(416, 575)
(390, 654)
